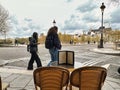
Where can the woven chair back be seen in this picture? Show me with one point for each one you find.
(88, 78)
(51, 78)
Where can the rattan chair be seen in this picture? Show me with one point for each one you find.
(51, 78)
(88, 78)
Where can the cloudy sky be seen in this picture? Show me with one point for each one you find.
(71, 16)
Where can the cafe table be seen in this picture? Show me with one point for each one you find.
(69, 67)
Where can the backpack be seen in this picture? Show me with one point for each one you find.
(28, 45)
(49, 42)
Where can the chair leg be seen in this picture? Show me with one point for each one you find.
(36, 88)
(66, 87)
(70, 86)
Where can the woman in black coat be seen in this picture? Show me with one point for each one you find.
(56, 44)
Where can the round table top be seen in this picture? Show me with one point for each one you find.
(70, 67)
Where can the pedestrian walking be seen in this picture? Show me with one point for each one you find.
(16, 42)
(53, 43)
(33, 50)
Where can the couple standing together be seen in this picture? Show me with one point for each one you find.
(53, 50)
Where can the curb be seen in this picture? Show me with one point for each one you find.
(106, 51)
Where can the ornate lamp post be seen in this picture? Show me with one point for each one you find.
(102, 7)
(54, 22)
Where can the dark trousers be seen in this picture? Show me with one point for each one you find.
(34, 57)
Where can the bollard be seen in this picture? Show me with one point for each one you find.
(119, 70)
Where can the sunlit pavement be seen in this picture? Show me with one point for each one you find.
(19, 78)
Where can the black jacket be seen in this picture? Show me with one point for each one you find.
(57, 43)
(33, 45)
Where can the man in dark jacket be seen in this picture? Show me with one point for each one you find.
(33, 50)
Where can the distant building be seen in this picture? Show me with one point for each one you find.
(98, 31)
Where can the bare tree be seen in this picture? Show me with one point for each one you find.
(4, 25)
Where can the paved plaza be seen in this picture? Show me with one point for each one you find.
(13, 69)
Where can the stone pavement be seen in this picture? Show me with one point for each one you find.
(21, 79)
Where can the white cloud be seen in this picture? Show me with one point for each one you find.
(75, 16)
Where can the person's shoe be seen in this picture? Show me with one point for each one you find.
(39, 66)
(29, 68)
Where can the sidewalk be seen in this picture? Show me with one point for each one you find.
(22, 79)
(110, 83)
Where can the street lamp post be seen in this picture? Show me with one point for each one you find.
(102, 27)
(54, 22)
